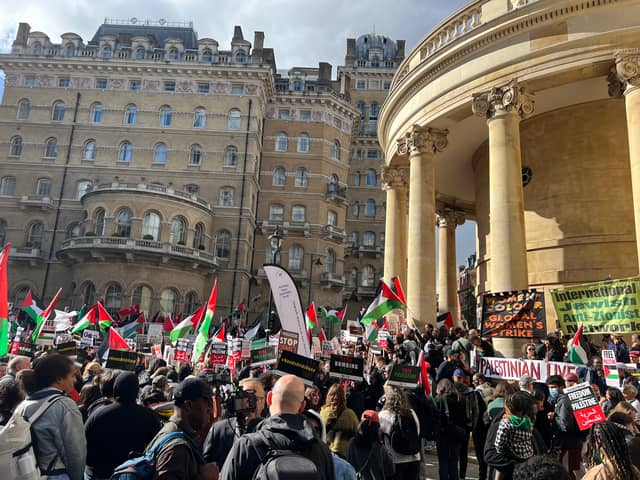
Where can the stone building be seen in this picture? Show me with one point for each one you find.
(521, 115)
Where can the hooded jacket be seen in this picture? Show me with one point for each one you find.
(284, 431)
(340, 428)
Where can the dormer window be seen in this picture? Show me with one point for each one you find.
(241, 57)
(107, 52)
(173, 54)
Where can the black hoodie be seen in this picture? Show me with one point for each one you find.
(284, 431)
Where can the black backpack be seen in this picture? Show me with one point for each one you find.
(286, 465)
(404, 435)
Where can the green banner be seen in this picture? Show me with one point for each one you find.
(603, 307)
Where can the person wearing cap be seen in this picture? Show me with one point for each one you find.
(366, 453)
(181, 458)
(526, 383)
(571, 379)
(452, 362)
(555, 350)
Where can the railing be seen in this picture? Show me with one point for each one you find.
(336, 193)
(333, 231)
(141, 187)
(370, 250)
(361, 290)
(25, 253)
(332, 279)
(36, 201)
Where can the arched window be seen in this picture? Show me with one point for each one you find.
(231, 156)
(82, 187)
(74, 230)
(178, 231)
(335, 150)
(89, 294)
(190, 303)
(37, 48)
(107, 52)
(353, 278)
(296, 258)
(51, 148)
(123, 223)
(125, 151)
(165, 116)
(223, 244)
(34, 235)
(173, 54)
(95, 113)
(89, 150)
(234, 119)
(330, 261)
(168, 302)
(225, 198)
(142, 296)
(3, 233)
(160, 153)
(301, 178)
(140, 53)
(370, 208)
(199, 118)
(15, 146)
(195, 155)
(57, 112)
(372, 178)
(8, 186)
(99, 219)
(113, 299)
(367, 276)
(356, 179)
(368, 239)
(70, 50)
(130, 114)
(279, 177)
(333, 183)
(24, 109)
(303, 143)
(43, 187)
(198, 236)
(298, 214)
(276, 213)
(282, 142)
(241, 57)
(151, 226)
(207, 56)
(332, 218)
(356, 209)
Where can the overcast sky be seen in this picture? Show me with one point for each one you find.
(302, 33)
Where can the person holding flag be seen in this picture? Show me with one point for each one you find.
(4, 301)
(203, 331)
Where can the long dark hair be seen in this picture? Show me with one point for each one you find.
(368, 433)
(609, 439)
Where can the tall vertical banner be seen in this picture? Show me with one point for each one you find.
(288, 305)
(519, 314)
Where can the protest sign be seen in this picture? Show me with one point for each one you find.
(288, 341)
(183, 348)
(585, 406)
(155, 330)
(156, 351)
(246, 349)
(236, 349)
(68, 348)
(122, 360)
(218, 355)
(26, 349)
(264, 356)
(291, 363)
(514, 368)
(335, 343)
(316, 347)
(89, 338)
(327, 349)
(346, 368)
(404, 376)
(133, 346)
(519, 314)
(610, 367)
(383, 339)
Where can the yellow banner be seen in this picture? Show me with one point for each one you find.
(603, 307)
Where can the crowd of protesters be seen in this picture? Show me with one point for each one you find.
(98, 418)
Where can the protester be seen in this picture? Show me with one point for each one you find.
(450, 365)
(619, 347)
(473, 401)
(341, 422)
(17, 363)
(106, 382)
(10, 397)
(314, 398)
(526, 383)
(567, 438)
(540, 467)
(606, 444)
(453, 433)
(612, 397)
(366, 453)
(514, 438)
(484, 387)
(630, 394)
(502, 390)
(27, 381)
(571, 379)
(89, 394)
(529, 351)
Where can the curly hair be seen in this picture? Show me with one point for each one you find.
(609, 439)
(336, 398)
(540, 467)
(396, 401)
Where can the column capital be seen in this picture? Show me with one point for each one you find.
(502, 100)
(422, 140)
(448, 217)
(393, 177)
(625, 75)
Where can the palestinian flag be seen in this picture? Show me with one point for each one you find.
(220, 335)
(205, 326)
(4, 301)
(44, 316)
(397, 289)
(168, 325)
(30, 307)
(116, 342)
(333, 315)
(130, 330)
(444, 320)
(577, 354)
(186, 326)
(385, 302)
(322, 337)
(310, 316)
(95, 316)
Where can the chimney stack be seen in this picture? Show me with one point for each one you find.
(324, 74)
(258, 40)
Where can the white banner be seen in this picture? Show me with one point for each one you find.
(513, 368)
(289, 306)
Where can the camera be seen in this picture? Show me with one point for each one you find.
(241, 402)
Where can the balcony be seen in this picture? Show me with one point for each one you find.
(350, 248)
(370, 251)
(80, 249)
(26, 254)
(297, 228)
(36, 201)
(336, 194)
(330, 279)
(368, 291)
(332, 232)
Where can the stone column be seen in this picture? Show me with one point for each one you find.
(448, 219)
(395, 182)
(625, 80)
(421, 144)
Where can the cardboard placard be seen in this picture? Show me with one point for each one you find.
(383, 339)
(519, 314)
(327, 349)
(236, 349)
(346, 368)
(68, 348)
(264, 356)
(246, 349)
(585, 406)
(610, 367)
(288, 341)
(291, 363)
(89, 338)
(514, 368)
(122, 360)
(316, 347)
(404, 376)
(218, 354)
(27, 349)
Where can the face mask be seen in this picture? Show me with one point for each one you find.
(553, 393)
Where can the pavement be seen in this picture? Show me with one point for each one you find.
(429, 469)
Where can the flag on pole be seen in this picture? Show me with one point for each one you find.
(97, 315)
(424, 373)
(321, 336)
(44, 316)
(129, 330)
(220, 335)
(30, 307)
(168, 325)
(310, 316)
(116, 342)
(333, 315)
(397, 289)
(104, 319)
(444, 320)
(4, 301)
(186, 326)
(384, 302)
(253, 331)
(205, 325)
(577, 353)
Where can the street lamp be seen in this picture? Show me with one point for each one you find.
(276, 244)
(313, 262)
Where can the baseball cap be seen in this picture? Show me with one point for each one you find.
(571, 377)
(526, 380)
(191, 388)
(458, 373)
(371, 416)
(634, 353)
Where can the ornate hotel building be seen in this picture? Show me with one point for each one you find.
(523, 116)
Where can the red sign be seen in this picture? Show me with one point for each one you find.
(288, 341)
(218, 353)
(585, 406)
(181, 356)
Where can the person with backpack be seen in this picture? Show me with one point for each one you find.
(10, 398)
(400, 428)
(284, 439)
(341, 422)
(366, 452)
(453, 429)
(472, 401)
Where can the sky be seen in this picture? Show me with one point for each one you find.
(301, 32)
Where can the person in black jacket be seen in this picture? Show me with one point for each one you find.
(453, 429)
(116, 430)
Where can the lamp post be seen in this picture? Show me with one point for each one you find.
(275, 240)
(313, 262)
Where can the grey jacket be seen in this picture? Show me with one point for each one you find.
(58, 435)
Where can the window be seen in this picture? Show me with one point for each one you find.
(199, 118)
(283, 114)
(123, 223)
(237, 89)
(198, 236)
(140, 53)
(298, 213)
(15, 146)
(223, 244)
(51, 148)
(241, 57)
(113, 299)
(296, 258)
(279, 177)
(3, 233)
(142, 296)
(63, 82)
(151, 226)
(282, 142)
(135, 85)
(24, 109)
(329, 261)
(356, 209)
(335, 150)
(101, 83)
(43, 187)
(374, 108)
(203, 88)
(361, 84)
(276, 213)
(301, 178)
(125, 151)
(368, 239)
(173, 54)
(372, 127)
(372, 154)
(169, 86)
(370, 208)
(178, 234)
(190, 303)
(99, 220)
(160, 153)
(353, 278)
(95, 113)
(168, 302)
(367, 276)
(333, 183)
(207, 56)
(57, 112)
(7, 186)
(89, 294)
(74, 230)
(192, 189)
(372, 178)
(165, 116)
(360, 106)
(297, 86)
(374, 85)
(387, 85)
(34, 235)
(234, 119)
(304, 115)
(356, 179)
(231, 156)
(130, 115)
(226, 197)
(303, 143)
(332, 218)
(37, 48)
(30, 81)
(82, 187)
(107, 52)
(195, 155)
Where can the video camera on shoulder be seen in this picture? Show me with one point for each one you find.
(241, 402)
